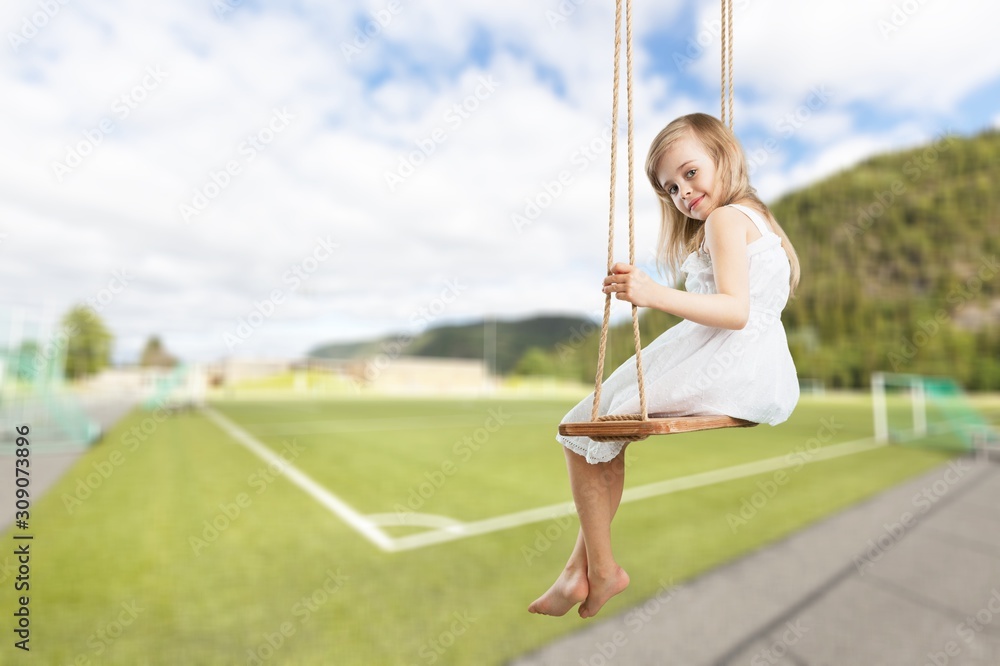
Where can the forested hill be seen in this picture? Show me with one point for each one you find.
(899, 266)
(509, 339)
(899, 271)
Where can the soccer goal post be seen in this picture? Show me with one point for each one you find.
(910, 386)
(925, 411)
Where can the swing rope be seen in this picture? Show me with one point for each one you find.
(727, 58)
(727, 55)
(642, 416)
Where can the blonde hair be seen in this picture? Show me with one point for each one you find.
(679, 234)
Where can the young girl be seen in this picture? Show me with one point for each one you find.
(730, 355)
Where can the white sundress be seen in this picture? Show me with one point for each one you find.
(693, 369)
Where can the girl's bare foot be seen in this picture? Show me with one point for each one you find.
(569, 589)
(603, 588)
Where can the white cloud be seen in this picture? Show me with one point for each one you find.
(864, 51)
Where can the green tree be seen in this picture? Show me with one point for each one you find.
(534, 362)
(88, 346)
(155, 355)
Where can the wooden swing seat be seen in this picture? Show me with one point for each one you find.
(656, 424)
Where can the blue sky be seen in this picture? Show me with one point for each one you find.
(252, 178)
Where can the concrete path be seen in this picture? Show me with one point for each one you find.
(910, 577)
(49, 467)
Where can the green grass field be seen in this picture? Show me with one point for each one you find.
(171, 543)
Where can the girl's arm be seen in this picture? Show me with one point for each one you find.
(729, 308)
(725, 238)
(718, 310)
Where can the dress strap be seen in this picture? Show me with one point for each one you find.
(755, 217)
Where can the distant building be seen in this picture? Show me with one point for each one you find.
(183, 384)
(232, 371)
(403, 375)
(417, 374)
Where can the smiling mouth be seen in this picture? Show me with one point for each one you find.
(696, 202)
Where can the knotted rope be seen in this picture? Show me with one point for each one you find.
(611, 227)
(727, 58)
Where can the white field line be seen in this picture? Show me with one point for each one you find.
(666, 487)
(300, 479)
(750, 469)
(418, 519)
(495, 524)
(367, 425)
(450, 530)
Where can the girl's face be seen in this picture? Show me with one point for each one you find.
(687, 174)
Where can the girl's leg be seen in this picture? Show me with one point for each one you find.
(569, 589)
(617, 480)
(599, 485)
(614, 478)
(605, 578)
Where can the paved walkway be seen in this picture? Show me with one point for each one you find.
(49, 467)
(910, 577)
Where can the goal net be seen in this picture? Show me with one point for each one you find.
(32, 390)
(929, 412)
